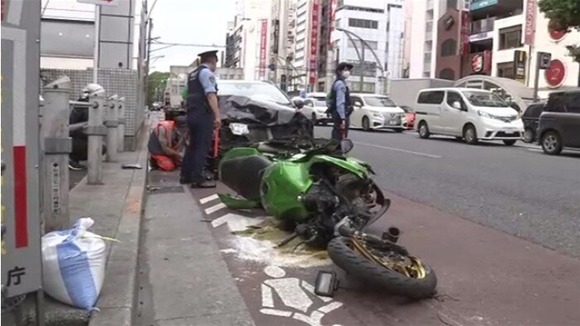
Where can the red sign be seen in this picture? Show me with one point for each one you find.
(464, 31)
(556, 74)
(556, 35)
(530, 30)
(313, 64)
(3, 9)
(333, 5)
(263, 41)
(477, 63)
(487, 61)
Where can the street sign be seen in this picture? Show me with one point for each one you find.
(21, 257)
(544, 59)
(111, 3)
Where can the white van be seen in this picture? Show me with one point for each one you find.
(471, 114)
(373, 111)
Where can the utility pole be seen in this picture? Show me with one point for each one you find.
(150, 23)
(362, 69)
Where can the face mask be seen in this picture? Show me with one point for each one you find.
(346, 74)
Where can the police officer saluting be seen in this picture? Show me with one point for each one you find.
(340, 105)
(203, 116)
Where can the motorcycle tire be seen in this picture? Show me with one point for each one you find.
(341, 253)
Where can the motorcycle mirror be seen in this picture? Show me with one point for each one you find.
(326, 283)
(346, 145)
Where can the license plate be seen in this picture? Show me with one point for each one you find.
(509, 132)
(393, 122)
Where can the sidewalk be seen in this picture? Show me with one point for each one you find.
(184, 279)
(116, 209)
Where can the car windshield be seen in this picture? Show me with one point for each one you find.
(257, 90)
(380, 101)
(486, 99)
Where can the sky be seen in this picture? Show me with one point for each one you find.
(188, 21)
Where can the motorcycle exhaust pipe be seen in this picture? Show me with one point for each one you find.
(392, 234)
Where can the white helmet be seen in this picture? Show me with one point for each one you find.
(92, 90)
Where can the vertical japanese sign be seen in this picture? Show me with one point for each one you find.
(520, 61)
(313, 64)
(333, 5)
(263, 41)
(530, 28)
(21, 263)
(464, 32)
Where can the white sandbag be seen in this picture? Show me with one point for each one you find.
(74, 265)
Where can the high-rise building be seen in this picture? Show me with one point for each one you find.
(380, 25)
(281, 33)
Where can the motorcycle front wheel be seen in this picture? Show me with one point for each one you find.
(399, 274)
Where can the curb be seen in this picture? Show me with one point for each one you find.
(117, 302)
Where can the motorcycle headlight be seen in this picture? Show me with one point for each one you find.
(239, 129)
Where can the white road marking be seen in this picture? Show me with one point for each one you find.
(237, 222)
(296, 296)
(208, 199)
(214, 208)
(399, 150)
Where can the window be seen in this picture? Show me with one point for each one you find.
(431, 97)
(510, 38)
(363, 23)
(506, 70)
(454, 97)
(573, 102)
(534, 111)
(449, 47)
(353, 8)
(447, 74)
(358, 44)
(451, 4)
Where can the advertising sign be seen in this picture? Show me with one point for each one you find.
(263, 43)
(530, 27)
(333, 6)
(21, 262)
(520, 59)
(313, 66)
(464, 32)
(556, 74)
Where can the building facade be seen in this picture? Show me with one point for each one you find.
(380, 24)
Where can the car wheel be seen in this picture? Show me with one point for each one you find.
(314, 119)
(551, 143)
(424, 130)
(470, 135)
(529, 135)
(509, 142)
(366, 124)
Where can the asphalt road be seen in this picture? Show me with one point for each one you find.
(518, 190)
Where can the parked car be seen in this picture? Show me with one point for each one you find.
(530, 119)
(374, 112)
(315, 109)
(467, 113)
(410, 114)
(559, 125)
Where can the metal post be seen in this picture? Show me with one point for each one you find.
(121, 128)
(96, 131)
(96, 49)
(537, 77)
(362, 69)
(112, 123)
(56, 145)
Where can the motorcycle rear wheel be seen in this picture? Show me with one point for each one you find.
(345, 254)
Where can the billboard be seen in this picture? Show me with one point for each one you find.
(263, 44)
(21, 261)
(530, 27)
(313, 64)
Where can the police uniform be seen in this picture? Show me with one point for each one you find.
(340, 105)
(200, 120)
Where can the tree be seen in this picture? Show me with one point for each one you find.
(564, 15)
(156, 86)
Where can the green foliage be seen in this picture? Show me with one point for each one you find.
(156, 86)
(564, 15)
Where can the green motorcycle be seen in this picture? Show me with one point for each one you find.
(328, 199)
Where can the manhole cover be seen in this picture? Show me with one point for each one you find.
(165, 190)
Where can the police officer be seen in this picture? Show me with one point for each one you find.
(340, 104)
(203, 115)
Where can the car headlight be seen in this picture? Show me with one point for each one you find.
(377, 114)
(485, 115)
(239, 129)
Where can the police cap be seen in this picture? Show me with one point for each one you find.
(208, 54)
(344, 66)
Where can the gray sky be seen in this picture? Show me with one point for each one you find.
(188, 21)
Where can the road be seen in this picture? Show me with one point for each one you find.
(518, 190)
